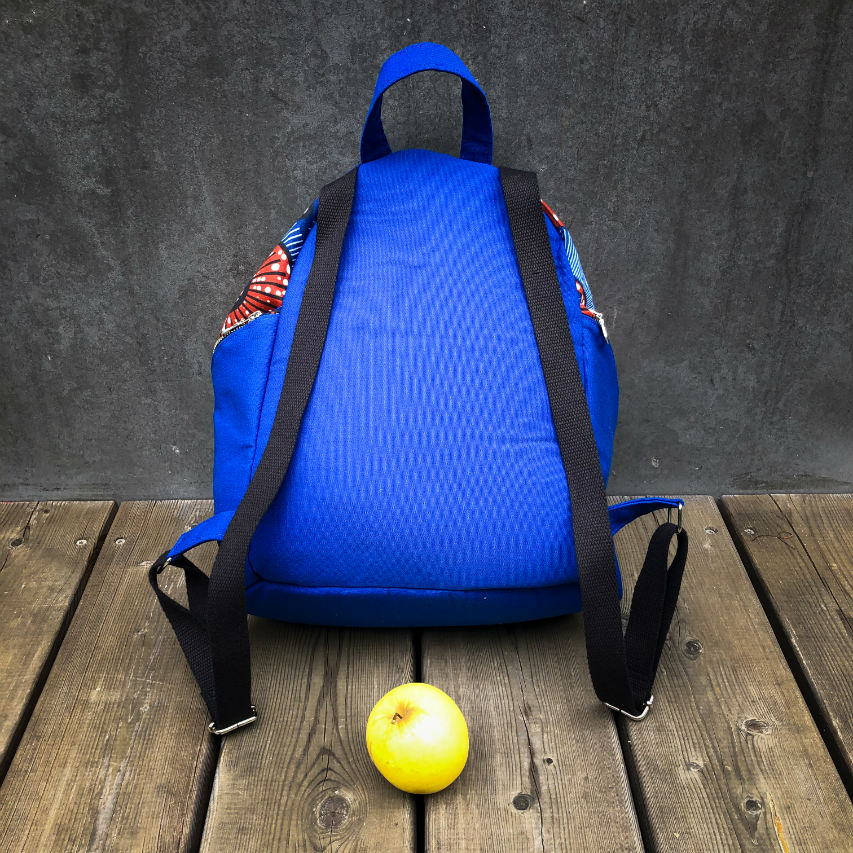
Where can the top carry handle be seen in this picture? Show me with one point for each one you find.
(428, 56)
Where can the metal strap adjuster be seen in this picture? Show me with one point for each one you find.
(224, 731)
(637, 717)
(680, 516)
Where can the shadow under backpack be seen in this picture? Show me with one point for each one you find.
(415, 403)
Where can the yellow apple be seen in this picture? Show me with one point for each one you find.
(417, 738)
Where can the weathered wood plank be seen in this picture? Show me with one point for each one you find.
(116, 754)
(729, 757)
(300, 778)
(46, 551)
(800, 548)
(545, 769)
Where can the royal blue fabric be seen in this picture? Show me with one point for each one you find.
(627, 511)
(239, 373)
(210, 530)
(213, 529)
(361, 607)
(429, 56)
(401, 607)
(427, 458)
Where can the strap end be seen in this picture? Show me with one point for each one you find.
(234, 726)
(636, 717)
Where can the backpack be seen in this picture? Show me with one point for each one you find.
(415, 405)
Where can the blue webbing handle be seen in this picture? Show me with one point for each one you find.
(429, 56)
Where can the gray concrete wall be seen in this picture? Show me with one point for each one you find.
(700, 152)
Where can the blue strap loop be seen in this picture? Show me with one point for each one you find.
(429, 56)
(210, 530)
(628, 511)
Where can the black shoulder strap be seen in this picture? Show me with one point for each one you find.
(622, 668)
(213, 632)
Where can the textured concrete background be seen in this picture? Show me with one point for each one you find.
(153, 153)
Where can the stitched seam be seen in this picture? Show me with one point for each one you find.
(471, 590)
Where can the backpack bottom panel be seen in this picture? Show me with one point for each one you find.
(363, 607)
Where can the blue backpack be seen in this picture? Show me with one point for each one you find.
(415, 403)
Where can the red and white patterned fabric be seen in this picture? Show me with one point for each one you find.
(560, 227)
(264, 292)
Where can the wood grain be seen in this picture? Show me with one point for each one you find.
(729, 757)
(545, 769)
(300, 778)
(116, 754)
(46, 552)
(800, 549)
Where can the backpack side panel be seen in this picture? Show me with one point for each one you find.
(240, 365)
(239, 370)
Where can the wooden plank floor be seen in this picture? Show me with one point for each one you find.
(541, 744)
(799, 549)
(304, 765)
(115, 755)
(103, 740)
(731, 735)
(48, 551)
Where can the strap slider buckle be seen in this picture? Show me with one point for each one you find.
(637, 717)
(224, 731)
(680, 516)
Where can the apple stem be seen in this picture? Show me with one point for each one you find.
(396, 714)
